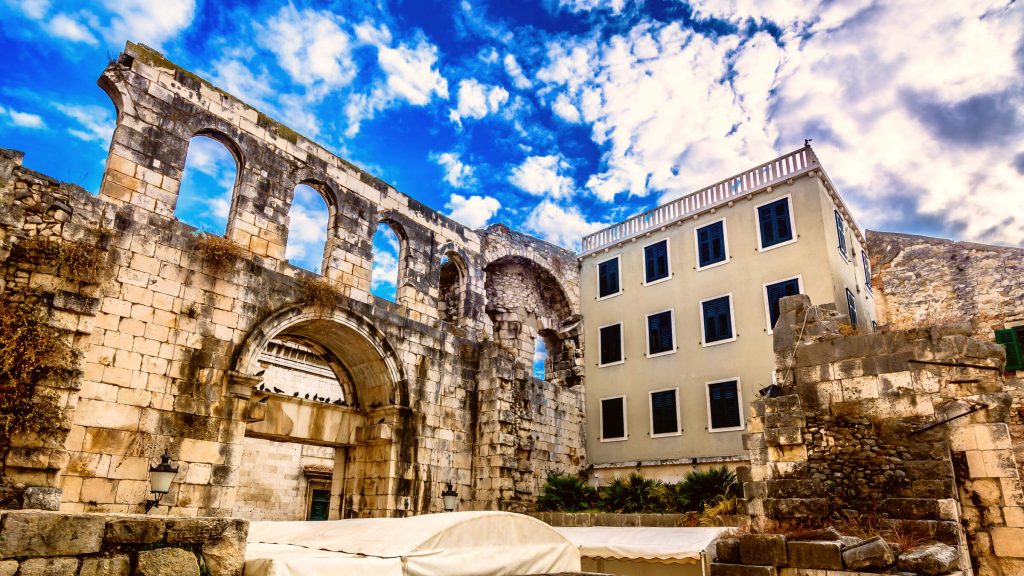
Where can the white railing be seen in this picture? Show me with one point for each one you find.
(767, 174)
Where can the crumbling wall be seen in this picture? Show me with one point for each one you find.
(170, 338)
(906, 426)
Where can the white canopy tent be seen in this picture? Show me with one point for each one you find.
(453, 543)
(642, 551)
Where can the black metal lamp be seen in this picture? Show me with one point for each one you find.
(450, 498)
(160, 477)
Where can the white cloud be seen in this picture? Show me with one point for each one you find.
(410, 76)
(456, 172)
(543, 176)
(147, 21)
(94, 123)
(519, 79)
(560, 225)
(474, 211)
(384, 272)
(311, 47)
(410, 72)
(63, 26)
(241, 79)
(564, 109)
(476, 100)
(614, 6)
(22, 119)
(370, 33)
(211, 158)
(34, 9)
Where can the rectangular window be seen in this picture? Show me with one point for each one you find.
(717, 319)
(660, 333)
(841, 231)
(610, 344)
(867, 269)
(608, 278)
(664, 413)
(774, 293)
(851, 304)
(711, 244)
(1013, 339)
(613, 418)
(656, 261)
(775, 223)
(724, 411)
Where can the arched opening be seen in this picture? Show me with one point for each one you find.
(540, 358)
(451, 287)
(387, 254)
(309, 218)
(207, 184)
(330, 384)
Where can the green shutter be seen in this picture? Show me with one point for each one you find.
(1014, 354)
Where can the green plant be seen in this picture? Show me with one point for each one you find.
(702, 488)
(82, 261)
(634, 493)
(217, 251)
(566, 493)
(907, 535)
(714, 514)
(31, 350)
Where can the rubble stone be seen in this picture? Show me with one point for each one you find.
(930, 559)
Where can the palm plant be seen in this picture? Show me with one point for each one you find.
(566, 493)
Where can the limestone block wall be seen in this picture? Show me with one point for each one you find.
(170, 338)
(50, 543)
(909, 426)
(273, 482)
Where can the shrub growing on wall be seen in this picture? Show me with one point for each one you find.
(30, 351)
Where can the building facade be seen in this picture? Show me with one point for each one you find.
(680, 303)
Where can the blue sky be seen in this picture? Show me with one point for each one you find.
(560, 116)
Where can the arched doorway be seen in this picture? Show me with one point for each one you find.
(332, 412)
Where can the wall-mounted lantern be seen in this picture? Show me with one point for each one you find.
(450, 498)
(160, 477)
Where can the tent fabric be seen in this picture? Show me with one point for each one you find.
(453, 543)
(669, 545)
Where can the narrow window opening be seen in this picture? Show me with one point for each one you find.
(386, 253)
(540, 358)
(308, 219)
(207, 185)
(451, 288)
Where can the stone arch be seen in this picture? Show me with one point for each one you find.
(452, 286)
(525, 301)
(329, 193)
(377, 374)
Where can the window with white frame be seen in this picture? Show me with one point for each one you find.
(851, 305)
(716, 319)
(867, 270)
(711, 244)
(725, 409)
(841, 232)
(660, 333)
(664, 412)
(776, 291)
(656, 265)
(610, 344)
(775, 223)
(613, 418)
(608, 283)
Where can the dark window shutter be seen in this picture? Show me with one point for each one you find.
(717, 242)
(659, 333)
(608, 278)
(613, 424)
(1011, 338)
(711, 244)
(704, 246)
(775, 293)
(611, 344)
(841, 232)
(867, 269)
(851, 304)
(725, 408)
(656, 261)
(764, 214)
(663, 412)
(782, 230)
(717, 320)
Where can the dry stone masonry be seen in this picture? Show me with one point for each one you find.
(904, 429)
(171, 329)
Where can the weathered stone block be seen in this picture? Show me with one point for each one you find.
(870, 554)
(195, 530)
(763, 549)
(727, 550)
(49, 567)
(225, 556)
(796, 507)
(930, 559)
(1008, 542)
(113, 566)
(42, 498)
(167, 562)
(50, 534)
(135, 531)
(822, 555)
(741, 570)
(911, 508)
(8, 567)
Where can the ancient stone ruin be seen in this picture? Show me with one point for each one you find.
(905, 431)
(175, 336)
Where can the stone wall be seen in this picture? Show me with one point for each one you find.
(36, 543)
(908, 428)
(273, 482)
(171, 334)
(920, 281)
